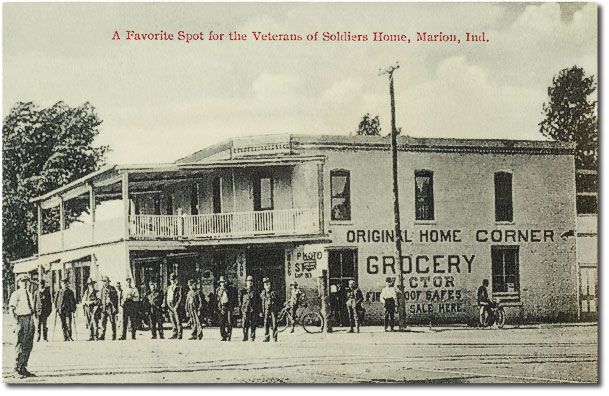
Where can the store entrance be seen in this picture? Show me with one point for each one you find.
(267, 263)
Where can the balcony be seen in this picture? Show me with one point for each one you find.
(81, 235)
(226, 225)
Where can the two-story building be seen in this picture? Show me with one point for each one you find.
(287, 206)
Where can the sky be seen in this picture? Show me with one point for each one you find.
(163, 100)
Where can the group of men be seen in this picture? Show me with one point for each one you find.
(258, 308)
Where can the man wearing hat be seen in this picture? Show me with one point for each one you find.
(389, 299)
(91, 306)
(109, 307)
(296, 299)
(65, 305)
(155, 299)
(225, 309)
(270, 306)
(249, 309)
(130, 310)
(44, 307)
(173, 298)
(193, 309)
(21, 305)
(355, 297)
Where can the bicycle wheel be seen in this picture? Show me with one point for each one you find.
(500, 318)
(283, 321)
(312, 322)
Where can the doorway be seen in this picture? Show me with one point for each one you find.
(267, 263)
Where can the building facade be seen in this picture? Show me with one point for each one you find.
(288, 206)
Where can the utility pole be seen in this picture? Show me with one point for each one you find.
(396, 200)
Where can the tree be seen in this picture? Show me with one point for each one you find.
(43, 148)
(571, 114)
(370, 126)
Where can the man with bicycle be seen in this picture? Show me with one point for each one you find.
(297, 298)
(484, 302)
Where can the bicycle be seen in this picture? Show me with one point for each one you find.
(495, 314)
(311, 321)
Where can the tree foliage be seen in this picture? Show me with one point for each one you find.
(43, 148)
(370, 126)
(571, 114)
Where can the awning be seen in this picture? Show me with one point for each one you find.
(26, 265)
(32, 263)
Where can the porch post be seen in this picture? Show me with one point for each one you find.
(125, 196)
(320, 194)
(62, 221)
(39, 228)
(92, 209)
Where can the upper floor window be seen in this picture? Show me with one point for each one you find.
(194, 199)
(503, 197)
(423, 189)
(216, 194)
(169, 204)
(263, 193)
(341, 195)
(586, 186)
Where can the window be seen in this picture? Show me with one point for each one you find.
(169, 207)
(506, 275)
(586, 184)
(341, 195)
(216, 194)
(263, 193)
(342, 266)
(423, 192)
(194, 199)
(157, 204)
(503, 197)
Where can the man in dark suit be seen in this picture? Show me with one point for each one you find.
(225, 309)
(44, 307)
(249, 305)
(270, 306)
(155, 299)
(65, 305)
(109, 307)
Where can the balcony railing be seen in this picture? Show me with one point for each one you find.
(226, 225)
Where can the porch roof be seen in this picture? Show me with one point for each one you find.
(144, 172)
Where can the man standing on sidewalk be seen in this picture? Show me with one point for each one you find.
(193, 307)
(65, 305)
(91, 304)
(389, 299)
(21, 305)
(225, 309)
(155, 305)
(249, 309)
(270, 306)
(109, 307)
(173, 298)
(132, 298)
(355, 298)
(44, 307)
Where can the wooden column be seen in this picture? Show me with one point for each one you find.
(232, 171)
(62, 220)
(125, 195)
(320, 194)
(39, 229)
(92, 210)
